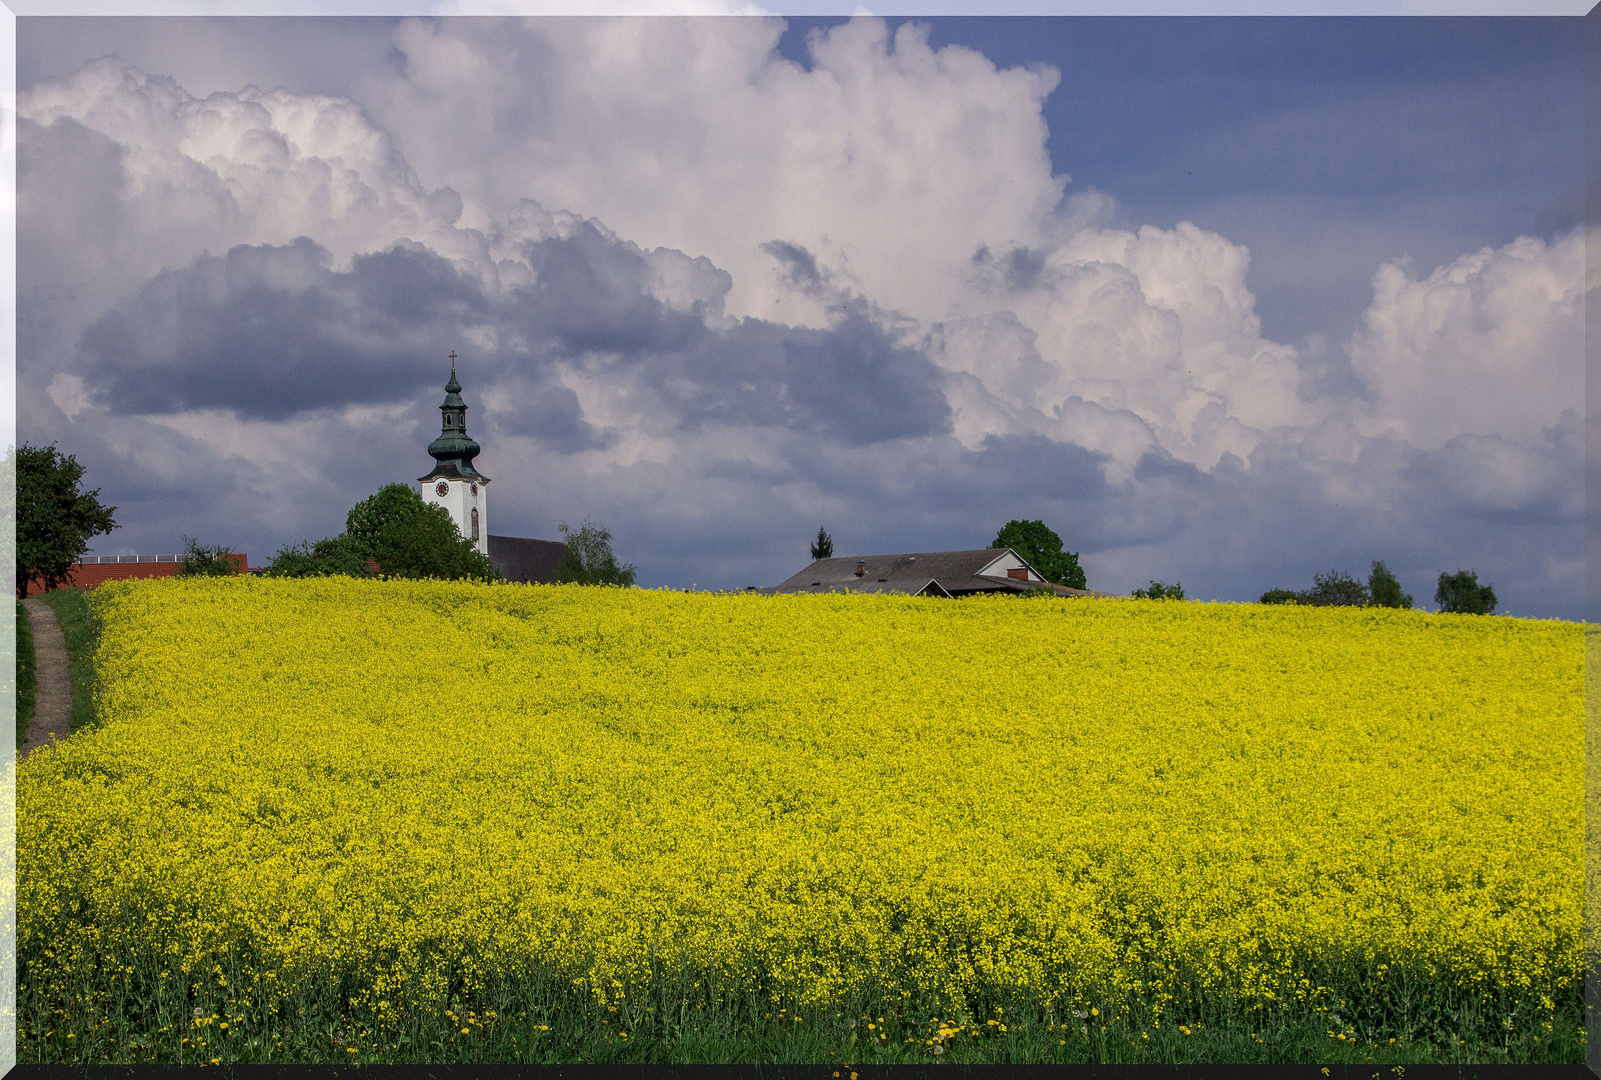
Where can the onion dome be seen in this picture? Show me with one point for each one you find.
(453, 451)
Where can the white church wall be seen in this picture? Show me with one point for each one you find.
(460, 500)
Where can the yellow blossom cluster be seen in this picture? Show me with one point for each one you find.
(414, 791)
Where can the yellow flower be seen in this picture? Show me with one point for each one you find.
(649, 774)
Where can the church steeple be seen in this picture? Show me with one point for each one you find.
(453, 451)
(454, 484)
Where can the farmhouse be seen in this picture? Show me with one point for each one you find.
(925, 573)
(463, 491)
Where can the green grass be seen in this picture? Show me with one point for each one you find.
(27, 674)
(80, 626)
(542, 1032)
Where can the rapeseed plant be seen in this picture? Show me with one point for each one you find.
(409, 797)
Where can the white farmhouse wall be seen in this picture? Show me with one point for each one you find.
(1007, 561)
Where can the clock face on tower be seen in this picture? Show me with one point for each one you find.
(442, 489)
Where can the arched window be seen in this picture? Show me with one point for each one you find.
(475, 524)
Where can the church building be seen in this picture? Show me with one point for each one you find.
(463, 491)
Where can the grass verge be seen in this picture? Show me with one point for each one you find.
(80, 627)
(174, 1035)
(27, 674)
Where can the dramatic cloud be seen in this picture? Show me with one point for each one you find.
(715, 298)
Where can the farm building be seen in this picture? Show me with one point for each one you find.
(92, 570)
(925, 573)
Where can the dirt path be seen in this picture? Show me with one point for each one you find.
(52, 710)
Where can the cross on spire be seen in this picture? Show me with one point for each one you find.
(453, 361)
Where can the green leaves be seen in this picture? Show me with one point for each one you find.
(392, 532)
(1460, 593)
(1042, 549)
(55, 519)
(589, 559)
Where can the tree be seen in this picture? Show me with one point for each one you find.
(1042, 549)
(201, 560)
(1158, 591)
(1335, 589)
(1384, 589)
(335, 555)
(427, 544)
(823, 546)
(398, 533)
(1280, 596)
(589, 559)
(1461, 593)
(55, 519)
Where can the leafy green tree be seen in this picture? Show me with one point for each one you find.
(201, 560)
(1042, 549)
(395, 532)
(427, 544)
(55, 517)
(1335, 589)
(1280, 596)
(823, 546)
(589, 559)
(1384, 589)
(1156, 590)
(1461, 593)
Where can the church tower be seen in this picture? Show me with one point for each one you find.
(454, 483)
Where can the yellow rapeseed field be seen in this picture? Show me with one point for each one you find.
(408, 794)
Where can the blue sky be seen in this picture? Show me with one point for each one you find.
(1231, 301)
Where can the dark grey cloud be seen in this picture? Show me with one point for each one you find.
(271, 332)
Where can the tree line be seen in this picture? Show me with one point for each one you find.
(392, 533)
(1042, 548)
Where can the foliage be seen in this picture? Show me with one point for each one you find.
(201, 560)
(27, 673)
(78, 616)
(1335, 589)
(329, 557)
(1460, 593)
(823, 546)
(1194, 821)
(427, 544)
(1042, 549)
(392, 532)
(1384, 589)
(589, 559)
(1156, 590)
(55, 517)
(1339, 589)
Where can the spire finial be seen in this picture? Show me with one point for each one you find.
(453, 361)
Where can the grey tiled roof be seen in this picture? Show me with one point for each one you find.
(950, 573)
(953, 572)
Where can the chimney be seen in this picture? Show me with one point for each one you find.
(861, 567)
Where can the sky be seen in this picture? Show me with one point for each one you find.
(1222, 301)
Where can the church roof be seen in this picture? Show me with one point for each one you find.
(453, 451)
(520, 558)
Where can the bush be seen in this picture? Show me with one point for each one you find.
(199, 560)
(1158, 591)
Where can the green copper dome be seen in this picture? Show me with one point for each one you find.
(453, 451)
